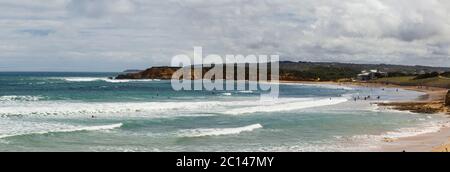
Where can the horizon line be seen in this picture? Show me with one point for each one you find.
(281, 61)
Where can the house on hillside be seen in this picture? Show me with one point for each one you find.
(367, 75)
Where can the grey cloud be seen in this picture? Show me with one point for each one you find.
(440, 49)
(100, 8)
(37, 32)
(124, 33)
(415, 31)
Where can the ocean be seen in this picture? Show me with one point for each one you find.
(50, 111)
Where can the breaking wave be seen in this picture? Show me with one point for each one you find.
(54, 128)
(429, 127)
(203, 132)
(246, 91)
(52, 108)
(321, 85)
(92, 108)
(226, 94)
(13, 98)
(93, 79)
(295, 104)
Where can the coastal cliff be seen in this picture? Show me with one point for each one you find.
(313, 74)
(166, 73)
(151, 73)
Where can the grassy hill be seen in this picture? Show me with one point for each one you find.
(318, 73)
(331, 71)
(438, 81)
(305, 66)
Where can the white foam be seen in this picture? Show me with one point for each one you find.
(127, 80)
(368, 142)
(63, 108)
(67, 108)
(327, 146)
(16, 128)
(82, 79)
(202, 132)
(321, 85)
(226, 94)
(430, 127)
(92, 79)
(246, 91)
(287, 105)
(425, 128)
(330, 86)
(12, 98)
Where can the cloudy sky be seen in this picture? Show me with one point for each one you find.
(113, 35)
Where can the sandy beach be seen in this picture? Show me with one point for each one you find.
(430, 103)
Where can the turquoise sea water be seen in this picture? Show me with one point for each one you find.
(88, 112)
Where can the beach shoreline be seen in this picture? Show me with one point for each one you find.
(431, 103)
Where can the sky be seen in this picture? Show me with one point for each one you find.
(114, 35)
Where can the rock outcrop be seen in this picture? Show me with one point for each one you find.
(417, 107)
(167, 73)
(151, 73)
(447, 99)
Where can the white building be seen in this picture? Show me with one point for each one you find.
(370, 75)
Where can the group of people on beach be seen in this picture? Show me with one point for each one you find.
(365, 98)
(369, 97)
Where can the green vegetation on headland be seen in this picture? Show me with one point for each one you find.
(434, 81)
(318, 73)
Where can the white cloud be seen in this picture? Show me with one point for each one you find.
(121, 33)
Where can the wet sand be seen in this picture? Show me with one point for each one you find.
(429, 142)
